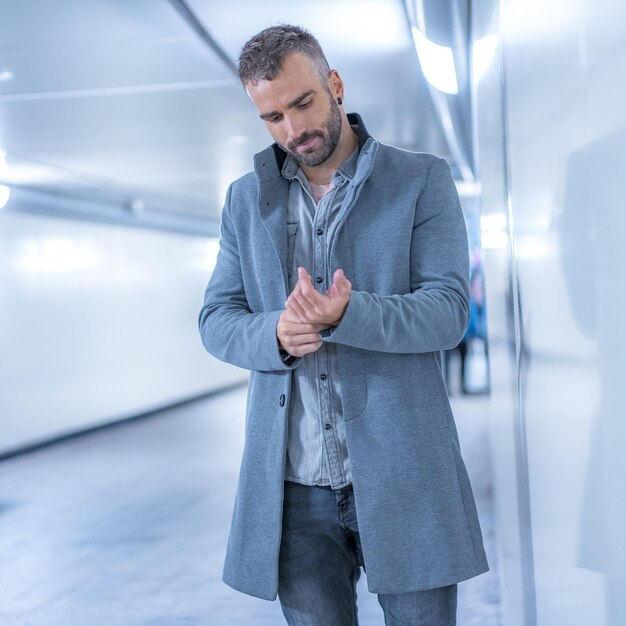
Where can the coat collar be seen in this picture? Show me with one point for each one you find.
(273, 200)
(269, 162)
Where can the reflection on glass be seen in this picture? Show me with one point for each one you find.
(593, 261)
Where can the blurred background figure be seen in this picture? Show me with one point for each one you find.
(473, 349)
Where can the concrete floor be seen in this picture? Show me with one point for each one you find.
(127, 526)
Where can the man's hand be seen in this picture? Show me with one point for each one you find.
(308, 306)
(296, 338)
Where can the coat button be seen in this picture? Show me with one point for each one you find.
(319, 279)
(319, 231)
(282, 399)
(323, 376)
(327, 426)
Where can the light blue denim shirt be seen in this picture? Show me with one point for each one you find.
(316, 444)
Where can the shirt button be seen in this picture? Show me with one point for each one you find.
(282, 399)
(327, 426)
(319, 279)
(323, 376)
(319, 231)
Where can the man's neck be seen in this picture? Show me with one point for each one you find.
(322, 174)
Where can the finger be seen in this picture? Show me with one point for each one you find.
(303, 274)
(297, 288)
(342, 283)
(307, 308)
(316, 345)
(299, 340)
(305, 283)
(305, 329)
(316, 328)
(296, 328)
(312, 300)
(307, 348)
(295, 307)
(292, 302)
(337, 276)
(289, 316)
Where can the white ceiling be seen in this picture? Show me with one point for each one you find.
(123, 96)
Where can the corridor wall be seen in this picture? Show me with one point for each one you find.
(98, 322)
(550, 127)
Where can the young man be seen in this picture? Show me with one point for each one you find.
(342, 273)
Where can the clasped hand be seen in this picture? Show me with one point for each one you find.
(308, 312)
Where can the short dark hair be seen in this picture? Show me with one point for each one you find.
(263, 56)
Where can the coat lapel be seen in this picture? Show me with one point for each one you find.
(273, 203)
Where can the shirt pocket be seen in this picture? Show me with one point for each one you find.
(292, 229)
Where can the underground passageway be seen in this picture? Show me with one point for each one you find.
(127, 526)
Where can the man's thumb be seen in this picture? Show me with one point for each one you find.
(341, 281)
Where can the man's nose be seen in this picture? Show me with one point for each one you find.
(295, 128)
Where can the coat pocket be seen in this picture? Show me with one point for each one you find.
(352, 369)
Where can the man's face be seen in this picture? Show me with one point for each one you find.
(299, 110)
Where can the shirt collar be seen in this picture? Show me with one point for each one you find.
(347, 169)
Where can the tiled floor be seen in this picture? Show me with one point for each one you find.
(127, 526)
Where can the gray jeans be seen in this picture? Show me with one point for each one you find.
(321, 560)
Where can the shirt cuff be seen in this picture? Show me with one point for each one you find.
(287, 358)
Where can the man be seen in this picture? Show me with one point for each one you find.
(342, 273)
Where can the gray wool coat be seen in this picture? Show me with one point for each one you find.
(401, 241)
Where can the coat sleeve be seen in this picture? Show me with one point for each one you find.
(435, 314)
(229, 330)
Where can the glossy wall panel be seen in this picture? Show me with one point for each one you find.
(564, 127)
(97, 322)
(504, 410)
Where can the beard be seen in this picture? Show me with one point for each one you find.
(329, 134)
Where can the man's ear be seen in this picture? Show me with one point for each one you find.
(335, 84)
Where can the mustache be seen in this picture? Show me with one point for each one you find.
(303, 138)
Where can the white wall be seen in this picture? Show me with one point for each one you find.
(97, 322)
(561, 489)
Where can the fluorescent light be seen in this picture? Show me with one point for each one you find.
(437, 63)
(5, 74)
(493, 222)
(483, 52)
(468, 188)
(494, 240)
(494, 235)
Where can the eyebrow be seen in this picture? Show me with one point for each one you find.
(293, 103)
